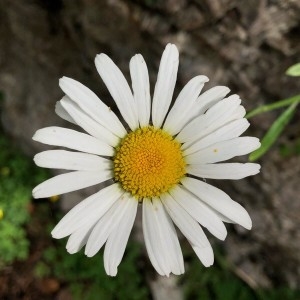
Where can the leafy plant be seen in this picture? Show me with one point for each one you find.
(15, 198)
(281, 122)
(86, 277)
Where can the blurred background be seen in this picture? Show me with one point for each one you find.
(245, 45)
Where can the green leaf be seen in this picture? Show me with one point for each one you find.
(293, 70)
(273, 133)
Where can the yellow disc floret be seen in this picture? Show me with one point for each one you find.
(148, 162)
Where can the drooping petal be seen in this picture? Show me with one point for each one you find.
(88, 124)
(164, 87)
(185, 222)
(206, 255)
(141, 88)
(89, 102)
(156, 240)
(106, 225)
(69, 182)
(118, 88)
(224, 150)
(170, 236)
(226, 132)
(62, 159)
(224, 170)
(219, 201)
(87, 212)
(187, 97)
(117, 240)
(72, 139)
(61, 112)
(201, 213)
(79, 238)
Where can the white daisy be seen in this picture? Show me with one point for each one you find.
(158, 161)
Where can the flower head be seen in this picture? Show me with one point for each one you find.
(158, 158)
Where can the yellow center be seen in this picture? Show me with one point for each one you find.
(148, 162)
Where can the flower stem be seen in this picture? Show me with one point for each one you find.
(275, 105)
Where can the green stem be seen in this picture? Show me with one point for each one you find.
(275, 105)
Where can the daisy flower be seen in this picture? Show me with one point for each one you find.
(157, 156)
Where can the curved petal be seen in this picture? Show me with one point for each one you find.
(190, 229)
(89, 102)
(169, 235)
(88, 211)
(61, 112)
(161, 239)
(164, 87)
(224, 170)
(187, 97)
(185, 222)
(219, 201)
(204, 102)
(72, 139)
(217, 116)
(105, 226)
(88, 124)
(62, 159)
(79, 238)
(117, 240)
(224, 150)
(141, 88)
(226, 132)
(69, 182)
(201, 213)
(118, 88)
(206, 255)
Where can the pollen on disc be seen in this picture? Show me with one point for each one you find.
(148, 162)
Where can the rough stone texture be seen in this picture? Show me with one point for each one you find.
(246, 45)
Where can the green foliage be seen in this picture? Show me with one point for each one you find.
(15, 197)
(291, 149)
(273, 133)
(86, 276)
(293, 70)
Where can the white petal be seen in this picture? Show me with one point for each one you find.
(217, 116)
(185, 222)
(154, 239)
(117, 241)
(206, 255)
(89, 124)
(224, 170)
(224, 150)
(205, 101)
(62, 159)
(165, 84)
(187, 97)
(69, 182)
(141, 88)
(89, 102)
(150, 240)
(79, 238)
(58, 136)
(106, 225)
(219, 201)
(169, 235)
(87, 212)
(201, 213)
(118, 88)
(61, 112)
(227, 132)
